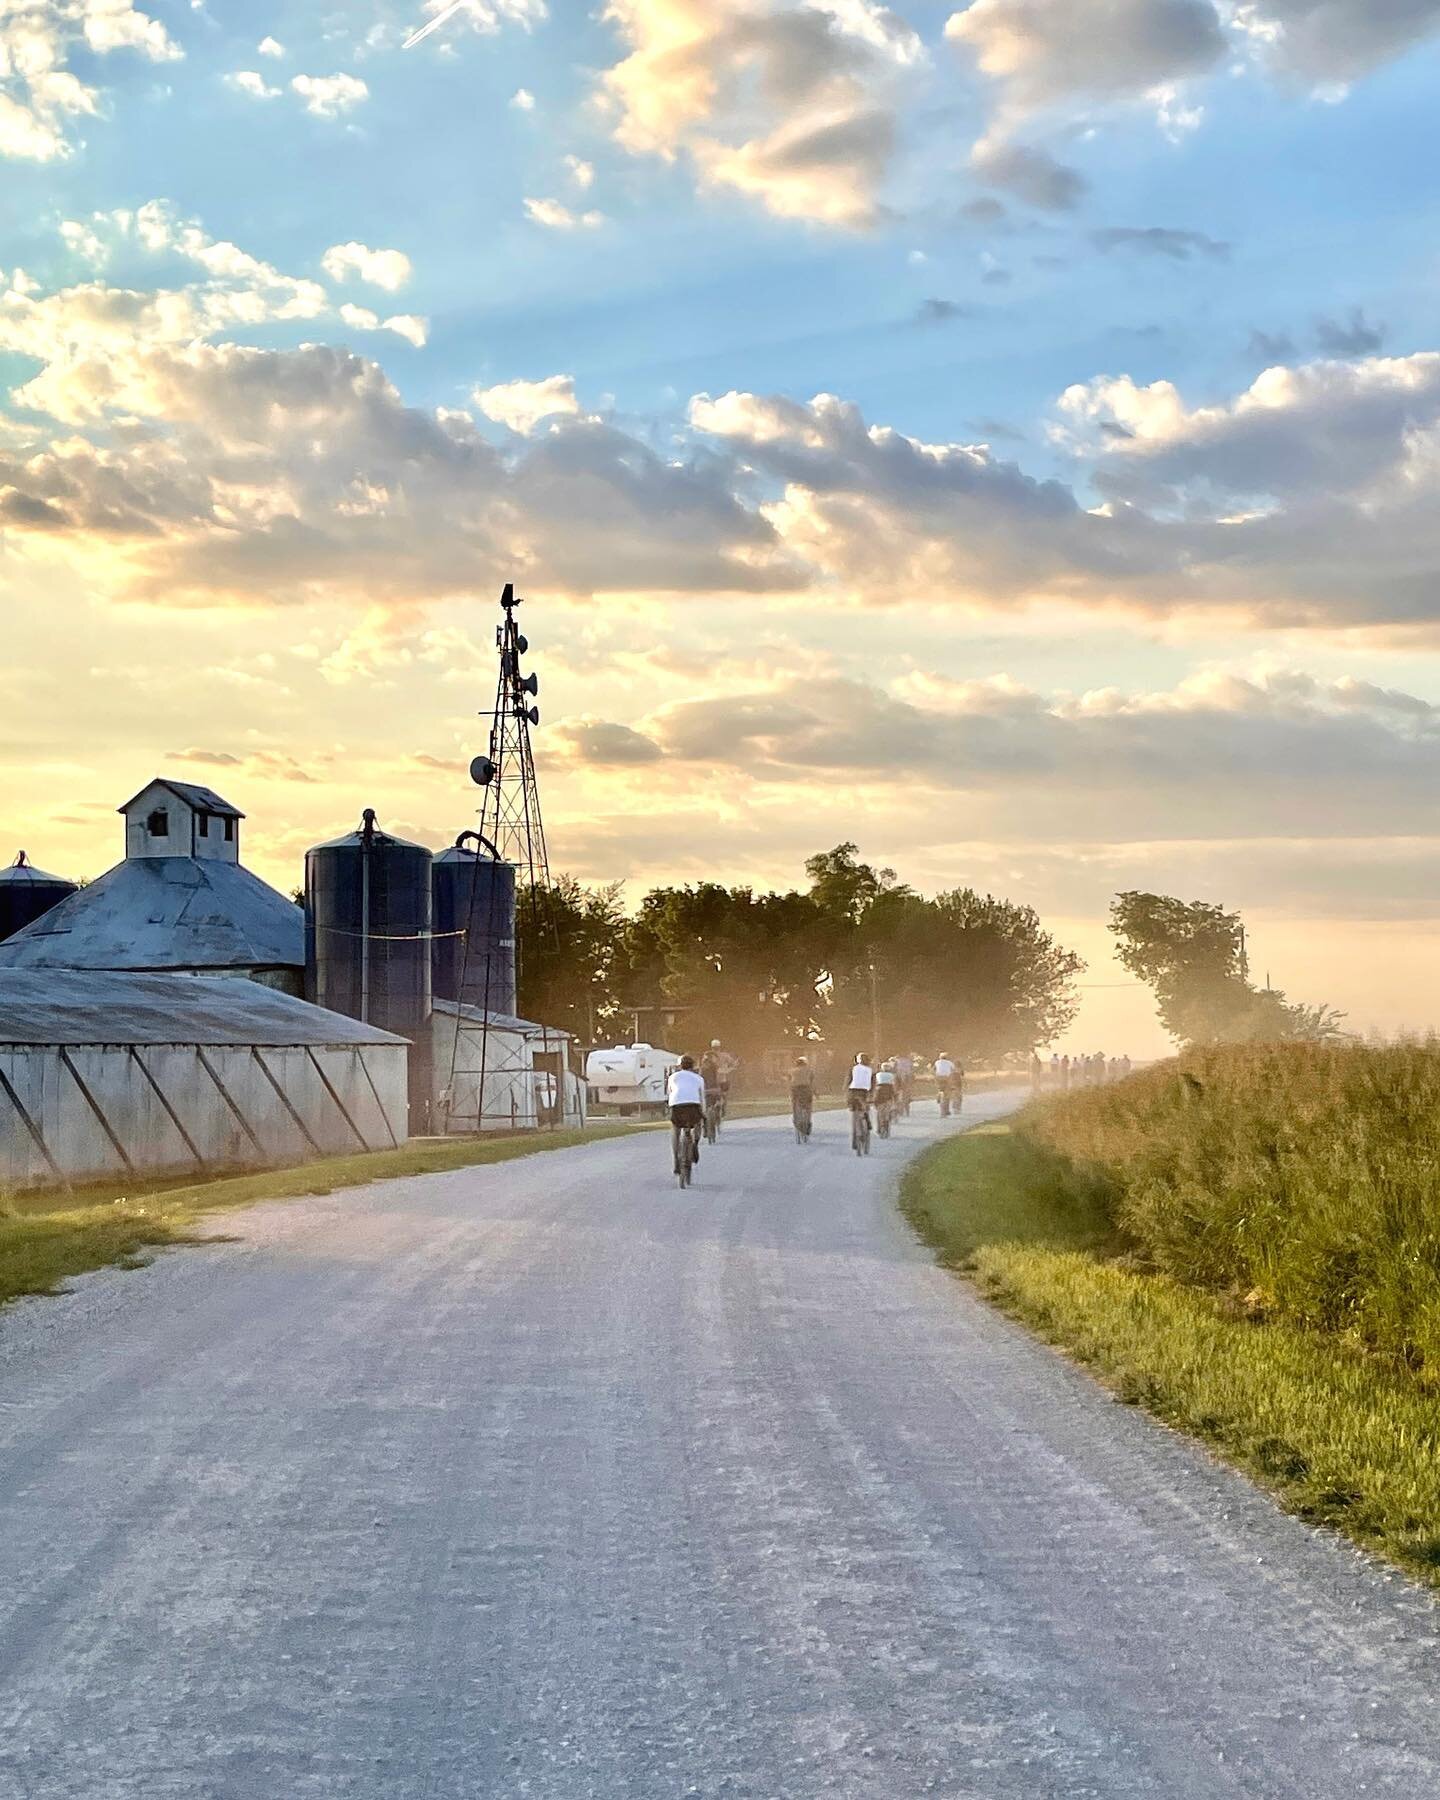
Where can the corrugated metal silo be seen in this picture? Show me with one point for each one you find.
(27, 894)
(367, 941)
(474, 896)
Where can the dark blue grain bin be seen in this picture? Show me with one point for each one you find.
(27, 894)
(474, 929)
(367, 942)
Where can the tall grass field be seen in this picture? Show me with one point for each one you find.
(1247, 1242)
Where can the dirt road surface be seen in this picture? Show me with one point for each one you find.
(546, 1480)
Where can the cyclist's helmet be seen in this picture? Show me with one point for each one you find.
(714, 1043)
(889, 1063)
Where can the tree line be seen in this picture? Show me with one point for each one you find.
(858, 958)
(855, 958)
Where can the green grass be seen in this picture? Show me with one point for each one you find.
(1299, 1180)
(1343, 1437)
(45, 1238)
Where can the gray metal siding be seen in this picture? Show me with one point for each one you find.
(221, 1106)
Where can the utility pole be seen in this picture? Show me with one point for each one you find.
(874, 1013)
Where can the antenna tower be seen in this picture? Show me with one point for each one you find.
(499, 1079)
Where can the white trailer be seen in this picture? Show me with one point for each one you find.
(630, 1078)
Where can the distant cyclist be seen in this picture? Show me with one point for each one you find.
(858, 1092)
(945, 1082)
(685, 1092)
(904, 1082)
(887, 1096)
(715, 1085)
(802, 1097)
(726, 1065)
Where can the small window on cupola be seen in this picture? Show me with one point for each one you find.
(204, 818)
(158, 824)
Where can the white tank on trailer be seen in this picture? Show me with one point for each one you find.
(630, 1076)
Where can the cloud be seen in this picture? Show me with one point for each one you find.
(1271, 346)
(1030, 174)
(252, 84)
(522, 405)
(409, 326)
(601, 744)
(1352, 336)
(1339, 756)
(793, 106)
(943, 312)
(388, 269)
(269, 46)
(1160, 241)
(222, 474)
(1309, 500)
(1327, 430)
(330, 96)
(1338, 40)
(581, 172)
(39, 93)
(523, 100)
(556, 216)
(1044, 52)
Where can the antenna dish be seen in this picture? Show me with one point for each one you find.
(482, 771)
(534, 715)
(522, 643)
(530, 686)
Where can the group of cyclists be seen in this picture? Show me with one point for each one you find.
(698, 1099)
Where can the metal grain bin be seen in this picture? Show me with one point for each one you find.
(367, 941)
(474, 911)
(27, 894)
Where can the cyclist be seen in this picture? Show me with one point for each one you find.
(944, 1081)
(802, 1097)
(685, 1092)
(715, 1085)
(887, 1095)
(727, 1065)
(858, 1091)
(904, 1082)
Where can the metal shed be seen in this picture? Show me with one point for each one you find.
(104, 1074)
(527, 1078)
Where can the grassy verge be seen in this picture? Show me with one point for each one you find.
(1342, 1437)
(46, 1238)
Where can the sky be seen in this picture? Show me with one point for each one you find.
(1006, 436)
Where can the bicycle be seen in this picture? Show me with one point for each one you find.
(802, 1114)
(884, 1117)
(685, 1139)
(714, 1113)
(860, 1130)
(944, 1100)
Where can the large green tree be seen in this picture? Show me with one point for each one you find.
(569, 937)
(1191, 953)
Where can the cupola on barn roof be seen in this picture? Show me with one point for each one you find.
(203, 799)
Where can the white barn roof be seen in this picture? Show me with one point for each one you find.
(79, 1007)
(165, 912)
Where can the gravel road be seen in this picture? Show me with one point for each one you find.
(545, 1479)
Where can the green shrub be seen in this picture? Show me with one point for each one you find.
(1302, 1180)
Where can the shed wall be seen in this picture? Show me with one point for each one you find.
(113, 1109)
